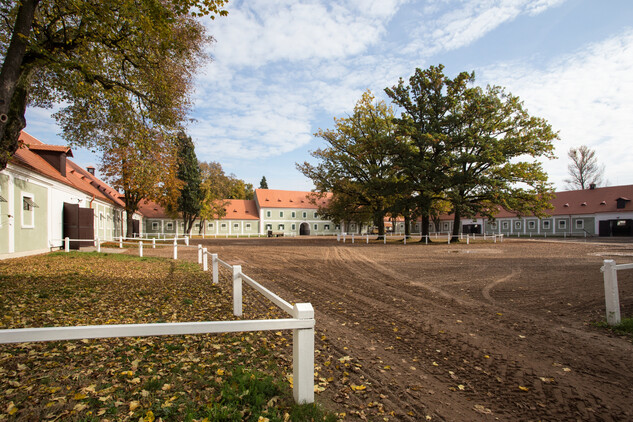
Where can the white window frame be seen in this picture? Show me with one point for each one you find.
(101, 220)
(517, 224)
(268, 214)
(562, 224)
(223, 225)
(248, 225)
(580, 224)
(269, 226)
(326, 227)
(236, 225)
(293, 227)
(281, 214)
(493, 225)
(169, 226)
(547, 224)
(531, 225)
(154, 225)
(26, 225)
(305, 214)
(280, 227)
(352, 226)
(316, 214)
(316, 226)
(293, 214)
(209, 225)
(505, 225)
(445, 226)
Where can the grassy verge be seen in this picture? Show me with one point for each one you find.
(230, 377)
(624, 327)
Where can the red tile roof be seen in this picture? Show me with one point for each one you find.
(270, 198)
(241, 209)
(151, 209)
(76, 177)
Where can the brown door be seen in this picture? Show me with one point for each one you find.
(86, 225)
(78, 224)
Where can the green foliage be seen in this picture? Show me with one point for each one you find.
(191, 193)
(358, 164)
(624, 327)
(102, 60)
(263, 184)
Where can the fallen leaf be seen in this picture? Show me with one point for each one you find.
(522, 388)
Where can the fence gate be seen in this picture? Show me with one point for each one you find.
(78, 224)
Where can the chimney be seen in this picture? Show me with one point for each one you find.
(91, 170)
(592, 186)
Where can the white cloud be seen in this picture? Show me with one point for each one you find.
(586, 96)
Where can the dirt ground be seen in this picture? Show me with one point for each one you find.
(455, 332)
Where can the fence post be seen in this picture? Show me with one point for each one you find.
(426, 239)
(140, 248)
(303, 356)
(367, 238)
(98, 244)
(120, 242)
(214, 267)
(468, 239)
(187, 240)
(405, 239)
(343, 238)
(611, 295)
(154, 243)
(205, 260)
(449, 239)
(237, 290)
(66, 244)
(352, 237)
(199, 253)
(384, 238)
(175, 248)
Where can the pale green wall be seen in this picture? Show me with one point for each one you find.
(36, 237)
(4, 214)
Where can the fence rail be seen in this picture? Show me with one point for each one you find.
(301, 322)
(427, 237)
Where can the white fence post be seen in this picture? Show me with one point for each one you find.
(467, 239)
(214, 265)
(352, 237)
(338, 237)
(120, 242)
(426, 239)
(98, 243)
(343, 237)
(303, 356)
(199, 253)
(405, 239)
(154, 243)
(237, 290)
(140, 248)
(186, 240)
(175, 248)
(66, 244)
(205, 260)
(384, 239)
(611, 295)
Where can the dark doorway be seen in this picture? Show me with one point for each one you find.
(78, 223)
(615, 228)
(304, 229)
(135, 228)
(471, 228)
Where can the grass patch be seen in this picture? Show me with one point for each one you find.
(624, 327)
(230, 377)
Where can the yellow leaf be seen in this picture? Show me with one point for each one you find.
(387, 367)
(357, 387)
(460, 386)
(220, 372)
(134, 405)
(566, 369)
(149, 416)
(435, 364)
(79, 407)
(263, 419)
(486, 357)
(546, 380)
(522, 388)
(499, 313)
(136, 380)
(79, 396)
(11, 409)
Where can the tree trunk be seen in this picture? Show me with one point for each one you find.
(130, 224)
(425, 228)
(407, 226)
(456, 226)
(379, 221)
(14, 83)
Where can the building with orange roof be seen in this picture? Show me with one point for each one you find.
(40, 189)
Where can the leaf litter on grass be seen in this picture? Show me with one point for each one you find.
(236, 376)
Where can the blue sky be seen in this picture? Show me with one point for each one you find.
(282, 69)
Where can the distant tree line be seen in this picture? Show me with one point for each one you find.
(455, 148)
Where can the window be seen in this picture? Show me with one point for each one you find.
(236, 225)
(546, 224)
(269, 226)
(446, 226)
(305, 214)
(493, 226)
(154, 225)
(268, 213)
(580, 224)
(505, 225)
(101, 220)
(326, 227)
(352, 226)
(562, 224)
(531, 225)
(198, 226)
(293, 227)
(316, 214)
(281, 214)
(316, 227)
(293, 214)
(28, 210)
(223, 226)
(210, 225)
(248, 225)
(170, 226)
(280, 227)
(337, 227)
(517, 224)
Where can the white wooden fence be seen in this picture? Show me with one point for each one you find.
(301, 322)
(426, 238)
(611, 294)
